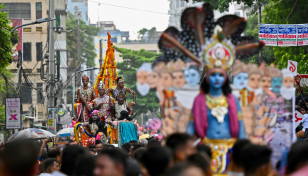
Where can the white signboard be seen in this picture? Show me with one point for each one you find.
(298, 118)
(292, 66)
(12, 111)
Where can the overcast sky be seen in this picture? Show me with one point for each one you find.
(128, 19)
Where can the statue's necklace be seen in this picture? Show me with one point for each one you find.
(218, 107)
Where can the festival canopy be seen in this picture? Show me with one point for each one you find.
(66, 132)
(32, 133)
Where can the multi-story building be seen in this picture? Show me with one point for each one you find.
(178, 6)
(35, 39)
(79, 8)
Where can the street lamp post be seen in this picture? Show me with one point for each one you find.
(38, 21)
(101, 51)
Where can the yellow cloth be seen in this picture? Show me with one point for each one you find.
(144, 136)
(109, 133)
(220, 149)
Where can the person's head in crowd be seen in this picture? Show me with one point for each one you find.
(99, 146)
(134, 147)
(298, 108)
(133, 141)
(50, 165)
(133, 167)
(256, 160)
(85, 166)
(126, 147)
(156, 161)
(110, 147)
(20, 158)
(139, 153)
(153, 143)
(201, 160)
(110, 162)
(204, 148)
(56, 153)
(297, 157)
(71, 154)
(44, 156)
(185, 169)
(182, 146)
(236, 162)
(92, 151)
(304, 110)
(143, 141)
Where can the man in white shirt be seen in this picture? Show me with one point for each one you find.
(50, 165)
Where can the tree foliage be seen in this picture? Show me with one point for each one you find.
(132, 60)
(143, 31)
(86, 41)
(6, 39)
(5, 91)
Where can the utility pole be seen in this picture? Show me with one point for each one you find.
(51, 97)
(20, 82)
(100, 54)
(259, 21)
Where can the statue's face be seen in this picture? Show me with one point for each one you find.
(240, 80)
(276, 84)
(192, 76)
(153, 79)
(266, 82)
(178, 79)
(166, 79)
(95, 117)
(254, 81)
(142, 77)
(288, 82)
(216, 80)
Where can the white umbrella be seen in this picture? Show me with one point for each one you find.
(66, 132)
(33, 133)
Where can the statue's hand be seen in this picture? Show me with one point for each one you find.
(133, 103)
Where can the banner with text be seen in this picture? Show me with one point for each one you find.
(284, 34)
(12, 111)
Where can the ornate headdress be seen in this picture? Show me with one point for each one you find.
(121, 80)
(178, 65)
(96, 112)
(264, 69)
(197, 42)
(274, 71)
(239, 67)
(85, 77)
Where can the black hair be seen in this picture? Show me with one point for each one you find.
(85, 166)
(254, 156)
(118, 79)
(98, 142)
(137, 146)
(201, 161)
(139, 153)
(204, 148)
(158, 59)
(237, 151)
(179, 169)
(177, 140)
(109, 147)
(298, 109)
(156, 160)
(126, 147)
(277, 167)
(20, 157)
(116, 155)
(49, 162)
(54, 152)
(297, 156)
(153, 143)
(92, 147)
(305, 108)
(92, 150)
(133, 141)
(101, 128)
(226, 89)
(133, 167)
(44, 156)
(71, 154)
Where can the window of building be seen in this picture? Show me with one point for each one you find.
(114, 40)
(38, 10)
(27, 51)
(17, 10)
(182, 3)
(39, 51)
(28, 29)
(26, 93)
(237, 13)
(177, 4)
(39, 29)
(58, 20)
(27, 70)
(38, 70)
(39, 86)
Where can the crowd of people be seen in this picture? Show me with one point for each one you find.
(179, 155)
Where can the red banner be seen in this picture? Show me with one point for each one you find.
(17, 22)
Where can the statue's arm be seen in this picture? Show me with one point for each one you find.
(191, 127)
(241, 134)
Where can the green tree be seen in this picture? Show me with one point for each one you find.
(284, 13)
(86, 41)
(141, 33)
(6, 88)
(132, 60)
(7, 40)
(223, 5)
